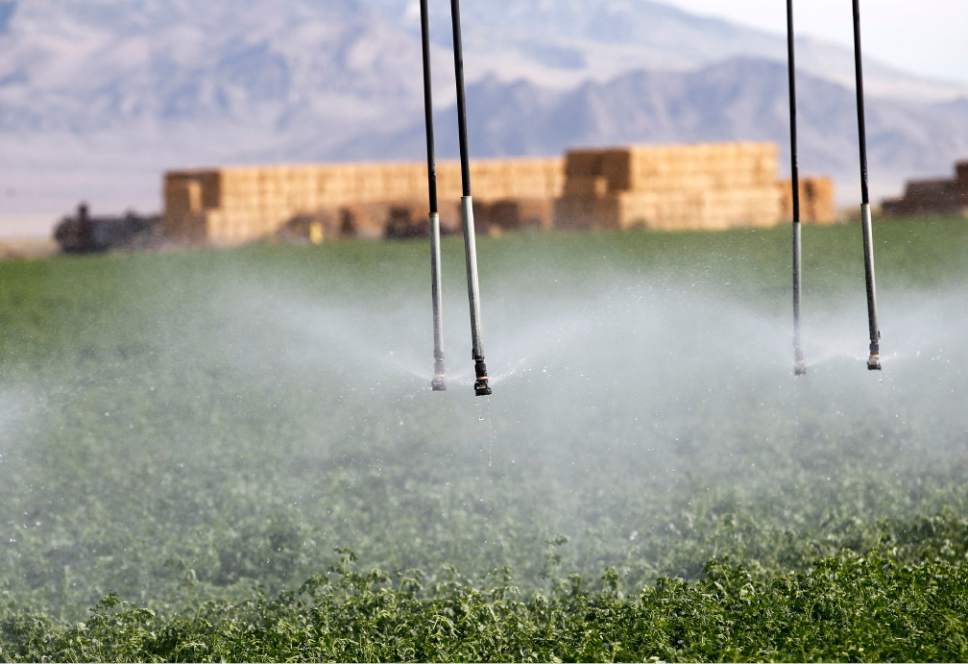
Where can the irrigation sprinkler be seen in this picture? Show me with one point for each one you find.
(481, 383)
(439, 383)
(799, 365)
(874, 362)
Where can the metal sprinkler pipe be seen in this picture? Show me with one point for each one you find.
(799, 364)
(874, 362)
(481, 384)
(439, 383)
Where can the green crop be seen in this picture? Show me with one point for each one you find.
(192, 442)
(843, 608)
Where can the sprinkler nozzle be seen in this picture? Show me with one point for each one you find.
(481, 386)
(439, 383)
(800, 368)
(874, 363)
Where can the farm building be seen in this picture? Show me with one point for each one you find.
(712, 186)
(941, 196)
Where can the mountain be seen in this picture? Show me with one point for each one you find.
(98, 96)
(739, 99)
(84, 66)
(565, 42)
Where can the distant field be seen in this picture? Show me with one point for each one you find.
(26, 248)
(239, 451)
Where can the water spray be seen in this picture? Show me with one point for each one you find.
(481, 384)
(874, 362)
(439, 382)
(799, 364)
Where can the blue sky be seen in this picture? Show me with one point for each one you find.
(922, 36)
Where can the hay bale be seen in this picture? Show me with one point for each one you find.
(581, 190)
(678, 187)
(586, 185)
(512, 214)
(817, 200)
(821, 200)
(574, 213)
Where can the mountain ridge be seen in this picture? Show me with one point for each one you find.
(738, 99)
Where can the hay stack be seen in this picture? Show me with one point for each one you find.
(514, 214)
(817, 200)
(689, 187)
(241, 204)
(692, 187)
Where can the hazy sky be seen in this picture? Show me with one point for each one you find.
(923, 36)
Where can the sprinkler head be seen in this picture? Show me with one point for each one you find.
(481, 386)
(874, 363)
(439, 383)
(800, 368)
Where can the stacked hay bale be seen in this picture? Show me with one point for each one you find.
(939, 196)
(817, 200)
(233, 206)
(505, 179)
(185, 204)
(514, 214)
(695, 187)
(510, 194)
(689, 187)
